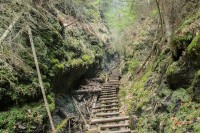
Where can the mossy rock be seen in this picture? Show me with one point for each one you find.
(182, 41)
(193, 50)
(179, 75)
(195, 88)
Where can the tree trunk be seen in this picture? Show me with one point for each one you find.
(167, 16)
(40, 80)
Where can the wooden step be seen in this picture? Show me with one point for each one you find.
(107, 120)
(106, 110)
(108, 90)
(107, 87)
(82, 91)
(114, 126)
(113, 83)
(108, 96)
(121, 131)
(113, 80)
(106, 106)
(110, 84)
(107, 114)
(109, 102)
(106, 99)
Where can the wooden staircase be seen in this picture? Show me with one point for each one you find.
(106, 116)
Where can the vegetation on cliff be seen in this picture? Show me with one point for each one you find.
(69, 37)
(160, 69)
(156, 44)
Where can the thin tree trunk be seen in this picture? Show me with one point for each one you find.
(167, 8)
(160, 16)
(40, 80)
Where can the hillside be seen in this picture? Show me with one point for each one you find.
(153, 44)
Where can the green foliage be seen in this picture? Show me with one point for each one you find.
(133, 65)
(119, 15)
(173, 69)
(87, 58)
(189, 20)
(138, 88)
(29, 114)
(154, 12)
(198, 73)
(54, 61)
(193, 49)
(181, 94)
(182, 41)
(59, 67)
(197, 127)
(58, 51)
(62, 125)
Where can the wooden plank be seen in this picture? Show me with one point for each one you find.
(107, 114)
(114, 77)
(106, 120)
(109, 89)
(108, 92)
(111, 84)
(108, 95)
(121, 131)
(105, 99)
(87, 91)
(113, 80)
(109, 102)
(114, 126)
(106, 110)
(103, 88)
(114, 90)
(105, 106)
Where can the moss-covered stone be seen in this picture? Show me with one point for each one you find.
(179, 75)
(193, 50)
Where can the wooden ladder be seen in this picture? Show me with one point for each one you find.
(107, 118)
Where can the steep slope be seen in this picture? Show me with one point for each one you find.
(69, 39)
(164, 95)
